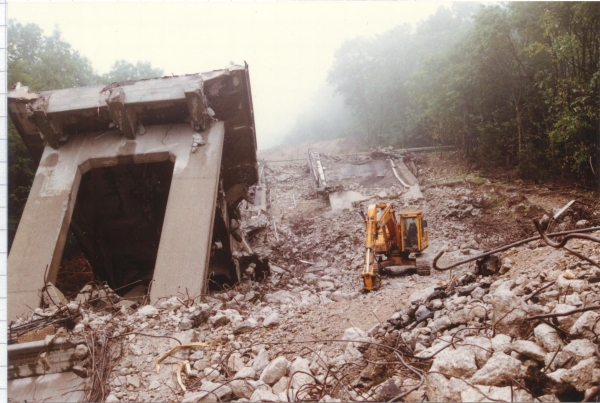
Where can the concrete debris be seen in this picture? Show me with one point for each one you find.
(243, 384)
(261, 395)
(458, 362)
(198, 141)
(52, 296)
(481, 393)
(236, 363)
(566, 321)
(300, 373)
(579, 349)
(246, 326)
(498, 370)
(481, 347)
(275, 370)
(509, 311)
(442, 389)
(529, 349)
(261, 360)
(304, 332)
(501, 342)
(209, 392)
(580, 376)
(587, 325)
(548, 337)
(271, 320)
(81, 351)
(148, 310)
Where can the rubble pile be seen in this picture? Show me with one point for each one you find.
(307, 332)
(526, 334)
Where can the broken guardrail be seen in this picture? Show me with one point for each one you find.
(317, 170)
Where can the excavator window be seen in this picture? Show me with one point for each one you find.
(411, 240)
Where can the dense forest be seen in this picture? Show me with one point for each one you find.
(44, 62)
(512, 85)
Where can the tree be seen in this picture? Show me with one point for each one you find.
(122, 70)
(376, 75)
(512, 85)
(571, 39)
(44, 63)
(40, 62)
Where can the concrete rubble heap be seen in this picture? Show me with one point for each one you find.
(302, 330)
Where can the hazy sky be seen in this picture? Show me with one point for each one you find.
(288, 46)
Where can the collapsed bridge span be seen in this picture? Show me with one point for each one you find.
(147, 174)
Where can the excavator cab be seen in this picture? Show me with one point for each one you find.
(412, 227)
(393, 240)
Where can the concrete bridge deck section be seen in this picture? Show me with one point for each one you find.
(199, 125)
(337, 174)
(414, 191)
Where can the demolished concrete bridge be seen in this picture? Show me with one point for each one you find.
(146, 174)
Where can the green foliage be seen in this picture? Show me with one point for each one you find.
(512, 85)
(43, 63)
(376, 76)
(122, 70)
(40, 62)
(20, 177)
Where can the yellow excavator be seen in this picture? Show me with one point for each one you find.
(393, 239)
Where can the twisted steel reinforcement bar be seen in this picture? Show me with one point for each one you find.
(512, 245)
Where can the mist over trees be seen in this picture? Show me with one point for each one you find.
(46, 62)
(513, 85)
(326, 118)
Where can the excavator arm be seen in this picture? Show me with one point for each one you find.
(369, 268)
(382, 235)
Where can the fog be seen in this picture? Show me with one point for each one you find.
(288, 46)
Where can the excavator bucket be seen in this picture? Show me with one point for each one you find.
(145, 174)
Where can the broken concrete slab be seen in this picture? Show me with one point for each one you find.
(344, 200)
(44, 388)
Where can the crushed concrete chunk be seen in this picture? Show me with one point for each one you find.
(501, 342)
(566, 322)
(478, 393)
(148, 310)
(245, 326)
(587, 325)
(509, 311)
(581, 375)
(275, 370)
(262, 395)
(458, 362)
(299, 372)
(548, 337)
(261, 360)
(529, 349)
(271, 320)
(441, 389)
(241, 385)
(499, 369)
